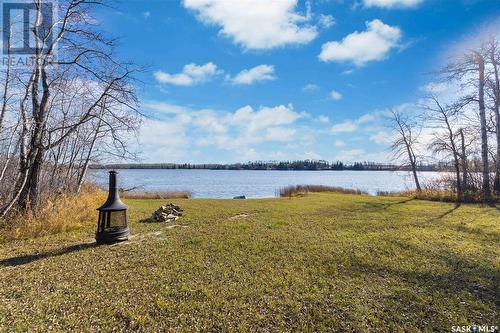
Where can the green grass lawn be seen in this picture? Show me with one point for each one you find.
(323, 262)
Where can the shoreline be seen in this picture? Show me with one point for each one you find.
(229, 169)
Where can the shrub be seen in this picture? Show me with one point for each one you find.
(62, 212)
(156, 195)
(298, 190)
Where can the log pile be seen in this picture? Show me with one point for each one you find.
(167, 213)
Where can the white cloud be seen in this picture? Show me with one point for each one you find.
(335, 95)
(311, 155)
(366, 118)
(310, 87)
(210, 121)
(256, 24)
(326, 21)
(360, 155)
(345, 127)
(177, 133)
(446, 92)
(350, 155)
(323, 119)
(362, 47)
(435, 87)
(339, 143)
(263, 118)
(241, 129)
(191, 74)
(382, 138)
(472, 40)
(392, 3)
(166, 108)
(280, 134)
(163, 141)
(243, 136)
(146, 14)
(251, 154)
(255, 74)
(350, 126)
(155, 131)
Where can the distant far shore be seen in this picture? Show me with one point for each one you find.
(306, 165)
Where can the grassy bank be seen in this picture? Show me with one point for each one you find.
(322, 262)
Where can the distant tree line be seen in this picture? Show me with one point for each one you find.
(311, 165)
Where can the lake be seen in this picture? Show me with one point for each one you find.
(255, 184)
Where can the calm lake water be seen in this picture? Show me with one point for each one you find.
(255, 184)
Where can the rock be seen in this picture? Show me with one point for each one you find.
(240, 197)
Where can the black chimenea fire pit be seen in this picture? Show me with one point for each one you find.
(112, 225)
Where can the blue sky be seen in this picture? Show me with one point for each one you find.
(233, 81)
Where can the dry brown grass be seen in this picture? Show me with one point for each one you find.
(156, 195)
(64, 212)
(435, 194)
(431, 195)
(300, 190)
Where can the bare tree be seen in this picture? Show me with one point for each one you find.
(463, 159)
(469, 71)
(482, 118)
(404, 144)
(468, 139)
(493, 85)
(442, 118)
(66, 100)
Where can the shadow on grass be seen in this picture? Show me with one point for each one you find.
(494, 205)
(464, 274)
(443, 215)
(147, 220)
(26, 259)
(364, 206)
(386, 205)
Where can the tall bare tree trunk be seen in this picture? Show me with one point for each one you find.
(18, 188)
(496, 108)
(36, 171)
(484, 134)
(463, 159)
(458, 180)
(22, 176)
(456, 161)
(85, 167)
(413, 162)
(30, 195)
(8, 154)
(5, 96)
(496, 184)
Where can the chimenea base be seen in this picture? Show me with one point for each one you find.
(112, 236)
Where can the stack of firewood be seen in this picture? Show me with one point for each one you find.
(167, 213)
